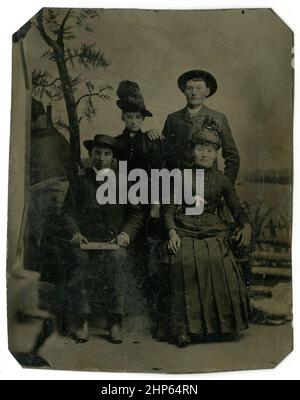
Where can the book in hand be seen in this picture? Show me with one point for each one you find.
(99, 246)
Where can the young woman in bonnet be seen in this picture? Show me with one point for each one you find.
(208, 295)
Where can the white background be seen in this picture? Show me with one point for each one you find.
(14, 15)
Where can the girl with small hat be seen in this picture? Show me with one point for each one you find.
(208, 295)
(141, 152)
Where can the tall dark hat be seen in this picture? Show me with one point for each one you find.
(131, 98)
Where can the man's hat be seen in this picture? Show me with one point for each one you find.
(209, 133)
(103, 141)
(131, 98)
(207, 77)
(37, 109)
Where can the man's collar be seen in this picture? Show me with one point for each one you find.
(128, 132)
(97, 170)
(193, 111)
(187, 116)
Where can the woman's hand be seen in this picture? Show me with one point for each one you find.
(122, 240)
(244, 235)
(78, 239)
(174, 242)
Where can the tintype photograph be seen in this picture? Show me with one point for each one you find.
(150, 190)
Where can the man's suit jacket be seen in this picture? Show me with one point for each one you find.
(178, 130)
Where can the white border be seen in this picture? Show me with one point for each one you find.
(15, 13)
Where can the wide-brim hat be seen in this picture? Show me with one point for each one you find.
(207, 77)
(131, 106)
(131, 98)
(103, 141)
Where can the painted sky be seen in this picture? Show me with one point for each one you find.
(250, 55)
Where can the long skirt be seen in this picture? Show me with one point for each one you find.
(208, 295)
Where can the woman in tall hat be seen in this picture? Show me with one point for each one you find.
(141, 152)
(138, 150)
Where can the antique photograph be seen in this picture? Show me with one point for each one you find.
(150, 190)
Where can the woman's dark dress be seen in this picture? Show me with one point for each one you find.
(139, 151)
(208, 295)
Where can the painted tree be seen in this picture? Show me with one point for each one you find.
(58, 28)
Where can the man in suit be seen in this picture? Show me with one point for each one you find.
(179, 127)
(85, 220)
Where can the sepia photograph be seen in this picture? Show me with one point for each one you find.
(150, 191)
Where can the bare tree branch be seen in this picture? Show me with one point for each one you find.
(98, 94)
(50, 83)
(62, 27)
(40, 23)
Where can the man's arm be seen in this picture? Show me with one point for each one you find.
(229, 152)
(233, 202)
(244, 235)
(167, 146)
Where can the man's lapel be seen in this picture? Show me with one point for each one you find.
(183, 115)
(90, 174)
(186, 115)
(184, 138)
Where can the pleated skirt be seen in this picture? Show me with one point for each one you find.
(208, 294)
